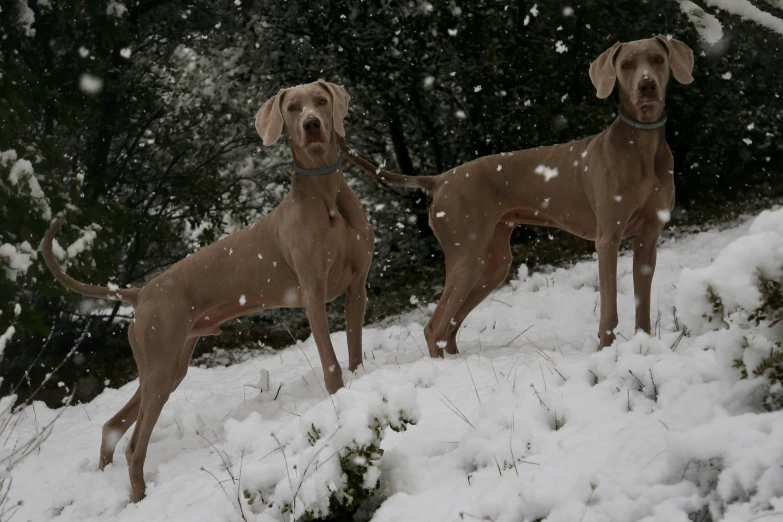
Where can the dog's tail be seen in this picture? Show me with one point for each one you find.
(101, 292)
(424, 182)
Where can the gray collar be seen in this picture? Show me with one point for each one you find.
(640, 124)
(318, 172)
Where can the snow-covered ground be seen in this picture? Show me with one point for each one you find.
(529, 422)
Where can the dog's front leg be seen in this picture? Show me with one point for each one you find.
(644, 258)
(608, 245)
(314, 300)
(355, 304)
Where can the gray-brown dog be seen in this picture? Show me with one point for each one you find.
(316, 245)
(605, 188)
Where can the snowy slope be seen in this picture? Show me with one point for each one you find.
(593, 438)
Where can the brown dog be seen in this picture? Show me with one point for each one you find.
(315, 246)
(605, 188)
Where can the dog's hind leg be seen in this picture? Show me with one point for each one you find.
(115, 428)
(495, 272)
(462, 273)
(159, 367)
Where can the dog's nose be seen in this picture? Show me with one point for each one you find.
(647, 87)
(311, 123)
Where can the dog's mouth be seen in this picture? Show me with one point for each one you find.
(314, 140)
(646, 103)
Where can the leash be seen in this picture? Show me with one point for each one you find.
(640, 124)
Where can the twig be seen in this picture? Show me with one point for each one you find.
(677, 341)
(216, 479)
(226, 463)
(587, 504)
(641, 384)
(539, 397)
(655, 388)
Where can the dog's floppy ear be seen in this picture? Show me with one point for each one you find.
(269, 119)
(680, 58)
(340, 100)
(602, 71)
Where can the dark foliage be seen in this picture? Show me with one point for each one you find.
(167, 145)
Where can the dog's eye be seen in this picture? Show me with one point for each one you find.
(625, 65)
(321, 101)
(291, 108)
(658, 59)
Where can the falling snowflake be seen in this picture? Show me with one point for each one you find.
(560, 47)
(90, 84)
(664, 216)
(242, 300)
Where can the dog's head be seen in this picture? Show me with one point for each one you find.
(312, 114)
(642, 70)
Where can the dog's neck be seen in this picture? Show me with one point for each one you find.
(317, 174)
(316, 160)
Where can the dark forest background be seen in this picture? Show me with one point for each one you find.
(141, 116)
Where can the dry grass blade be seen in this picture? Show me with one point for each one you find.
(677, 341)
(539, 397)
(454, 409)
(518, 335)
(310, 365)
(285, 459)
(214, 477)
(473, 381)
(493, 371)
(510, 446)
(226, 462)
(414, 340)
(463, 514)
(239, 487)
